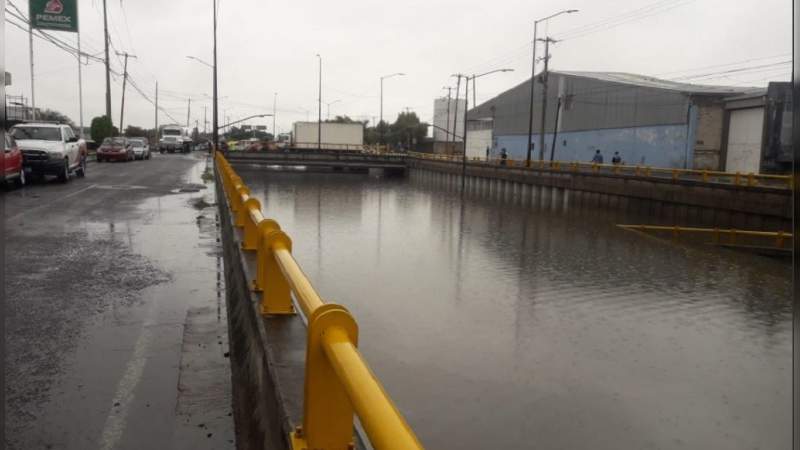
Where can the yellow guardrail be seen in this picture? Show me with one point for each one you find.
(732, 235)
(338, 381)
(735, 178)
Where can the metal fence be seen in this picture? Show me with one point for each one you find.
(338, 381)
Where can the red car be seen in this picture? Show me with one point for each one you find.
(12, 163)
(115, 149)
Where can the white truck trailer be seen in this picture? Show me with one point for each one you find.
(335, 136)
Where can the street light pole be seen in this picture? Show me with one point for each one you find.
(379, 123)
(329, 108)
(533, 84)
(274, 112)
(215, 131)
(108, 64)
(466, 109)
(319, 107)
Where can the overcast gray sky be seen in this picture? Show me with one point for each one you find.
(267, 47)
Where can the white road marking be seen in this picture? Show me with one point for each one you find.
(116, 420)
(36, 208)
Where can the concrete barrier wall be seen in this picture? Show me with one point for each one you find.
(771, 206)
(267, 354)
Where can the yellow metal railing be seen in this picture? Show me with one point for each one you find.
(735, 178)
(338, 381)
(732, 236)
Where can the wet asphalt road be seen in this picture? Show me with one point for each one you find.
(115, 325)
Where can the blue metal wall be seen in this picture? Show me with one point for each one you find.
(656, 146)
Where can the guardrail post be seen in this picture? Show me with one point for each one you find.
(779, 239)
(327, 410)
(250, 241)
(736, 178)
(276, 293)
(240, 211)
(751, 179)
(674, 175)
(705, 176)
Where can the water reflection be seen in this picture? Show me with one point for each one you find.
(517, 315)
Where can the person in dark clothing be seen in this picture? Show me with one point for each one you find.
(598, 157)
(616, 159)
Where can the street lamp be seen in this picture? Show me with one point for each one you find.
(274, 113)
(383, 78)
(246, 118)
(194, 58)
(466, 109)
(329, 108)
(319, 107)
(533, 74)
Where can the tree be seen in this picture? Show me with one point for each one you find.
(343, 119)
(102, 128)
(407, 130)
(49, 115)
(134, 131)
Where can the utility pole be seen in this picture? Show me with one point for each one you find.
(30, 48)
(205, 120)
(533, 79)
(188, 113)
(156, 113)
(447, 120)
(124, 82)
(464, 154)
(545, 77)
(108, 65)
(80, 82)
(455, 114)
(274, 113)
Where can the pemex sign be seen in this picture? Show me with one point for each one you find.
(60, 15)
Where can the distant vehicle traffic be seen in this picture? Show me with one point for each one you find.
(115, 149)
(175, 138)
(50, 149)
(141, 149)
(12, 157)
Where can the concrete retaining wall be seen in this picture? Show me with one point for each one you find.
(770, 206)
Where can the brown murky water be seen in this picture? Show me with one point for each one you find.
(496, 322)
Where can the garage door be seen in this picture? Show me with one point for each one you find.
(744, 140)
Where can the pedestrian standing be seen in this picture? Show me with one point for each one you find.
(503, 156)
(616, 159)
(598, 157)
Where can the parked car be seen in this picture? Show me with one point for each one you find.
(12, 163)
(50, 149)
(115, 149)
(141, 149)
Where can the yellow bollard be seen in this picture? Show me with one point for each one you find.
(705, 176)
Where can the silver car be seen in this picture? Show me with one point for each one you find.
(141, 149)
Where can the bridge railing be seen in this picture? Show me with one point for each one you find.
(734, 178)
(338, 381)
(718, 235)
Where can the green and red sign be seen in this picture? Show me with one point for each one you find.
(59, 15)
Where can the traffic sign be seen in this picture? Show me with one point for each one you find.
(60, 15)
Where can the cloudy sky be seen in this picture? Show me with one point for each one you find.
(267, 47)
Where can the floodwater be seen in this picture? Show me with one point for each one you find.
(506, 321)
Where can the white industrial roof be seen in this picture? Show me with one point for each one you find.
(657, 83)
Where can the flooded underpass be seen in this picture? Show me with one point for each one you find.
(500, 323)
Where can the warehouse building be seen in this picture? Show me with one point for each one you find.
(649, 121)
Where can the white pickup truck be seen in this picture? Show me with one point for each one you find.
(50, 149)
(174, 138)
